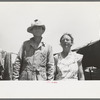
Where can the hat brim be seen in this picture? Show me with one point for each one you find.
(29, 29)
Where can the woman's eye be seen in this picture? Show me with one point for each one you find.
(65, 40)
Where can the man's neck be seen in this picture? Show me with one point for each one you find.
(37, 39)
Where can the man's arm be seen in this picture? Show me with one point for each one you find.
(17, 64)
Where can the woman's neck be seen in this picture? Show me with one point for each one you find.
(65, 52)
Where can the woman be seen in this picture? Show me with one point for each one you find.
(68, 64)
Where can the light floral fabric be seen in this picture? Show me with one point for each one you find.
(67, 67)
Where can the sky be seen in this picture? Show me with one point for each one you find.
(81, 19)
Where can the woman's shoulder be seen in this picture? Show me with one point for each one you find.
(56, 55)
(77, 55)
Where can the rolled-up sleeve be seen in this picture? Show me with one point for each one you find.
(50, 64)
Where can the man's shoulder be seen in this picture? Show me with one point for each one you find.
(27, 41)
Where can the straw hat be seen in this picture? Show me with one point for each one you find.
(35, 23)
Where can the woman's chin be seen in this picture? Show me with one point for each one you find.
(66, 47)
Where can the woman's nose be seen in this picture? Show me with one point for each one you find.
(65, 40)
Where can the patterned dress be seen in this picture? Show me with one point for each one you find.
(67, 68)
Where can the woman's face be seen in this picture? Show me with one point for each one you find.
(66, 41)
(37, 31)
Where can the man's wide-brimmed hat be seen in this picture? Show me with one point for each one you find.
(36, 23)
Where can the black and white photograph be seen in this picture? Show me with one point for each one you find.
(50, 45)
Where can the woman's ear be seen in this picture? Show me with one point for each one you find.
(71, 43)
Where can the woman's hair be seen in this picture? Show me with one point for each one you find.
(72, 39)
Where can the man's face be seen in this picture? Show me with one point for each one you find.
(37, 31)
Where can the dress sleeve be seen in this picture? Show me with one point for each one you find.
(78, 57)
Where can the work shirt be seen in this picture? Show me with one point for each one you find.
(34, 64)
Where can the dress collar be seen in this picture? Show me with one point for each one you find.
(70, 53)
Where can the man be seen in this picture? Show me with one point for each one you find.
(35, 58)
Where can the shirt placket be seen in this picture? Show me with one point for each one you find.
(35, 67)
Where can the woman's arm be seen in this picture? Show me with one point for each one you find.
(81, 73)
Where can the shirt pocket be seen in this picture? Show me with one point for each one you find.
(43, 59)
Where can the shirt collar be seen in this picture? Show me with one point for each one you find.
(33, 43)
